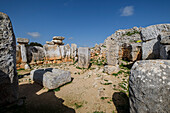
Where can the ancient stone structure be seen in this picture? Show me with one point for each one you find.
(73, 51)
(165, 45)
(22, 43)
(83, 57)
(50, 78)
(8, 74)
(151, 40)
(52, 52)
(57, 40)
(131, 52)
(149, 86)
(35, 53)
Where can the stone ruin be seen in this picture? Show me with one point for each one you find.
(8, 73)
(52, 52)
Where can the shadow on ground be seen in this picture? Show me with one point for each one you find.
(44, 103)
(121, 101)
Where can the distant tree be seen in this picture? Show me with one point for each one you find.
(35, 44)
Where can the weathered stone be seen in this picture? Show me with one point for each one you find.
(68, 51)
(52, 52)
(50, 78)
(35, 53)
(73, 50)
(63, 51)
(22, 40)
(111, 69)
(23, 53)
(58, 38)
(131, 52)
(18, 54)
(27, 67)
(151, 40)
(83, 57)
(149, 86)
(8, 74)
(50, 43)
(151, 49)
(165, 52)
(112, 54)
(152, 32)
(165, 38)
(59, 42)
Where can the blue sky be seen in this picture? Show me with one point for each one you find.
(84, 22)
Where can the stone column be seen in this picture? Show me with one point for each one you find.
(83, 57)
(22, 42)
(8, 74)
(73, 50)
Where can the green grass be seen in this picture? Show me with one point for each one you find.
(79, 67)
(107, 83)
(78, 106)
(116, 74)
(57, 89)
(131, 33)
(20, 69)
(98, 112)
(103, 98)
(105, 80)
(122, 86)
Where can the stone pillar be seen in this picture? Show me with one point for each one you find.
(23, 42)
(68, 51)
(73, 50)
(83, 57)
(112, 54)
(149, 86)
(8, 74)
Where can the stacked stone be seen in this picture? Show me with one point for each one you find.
(57, 40)
(22, 43)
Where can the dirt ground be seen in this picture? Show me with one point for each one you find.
(91, 91)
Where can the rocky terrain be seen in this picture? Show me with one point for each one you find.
(129, 72)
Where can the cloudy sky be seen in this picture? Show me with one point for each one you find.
(84, 22)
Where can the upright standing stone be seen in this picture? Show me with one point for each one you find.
(73, 50)
(23, 42)
(52, 52)
(112, 54)
(149, 87)
(8, 74)
(83, 57)
(63, 51)
(68, 51)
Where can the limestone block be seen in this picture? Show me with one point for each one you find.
(50, 78)
(83, 57)
(149, 86)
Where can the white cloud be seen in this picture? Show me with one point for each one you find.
(127, 11)
(71, 38)
(34, 34)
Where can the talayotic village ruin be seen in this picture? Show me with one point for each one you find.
(128, 73)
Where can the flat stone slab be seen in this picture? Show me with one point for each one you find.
(23, 40)
(50, 78)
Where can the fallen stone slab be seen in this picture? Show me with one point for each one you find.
(149, 87)
(50, 78)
